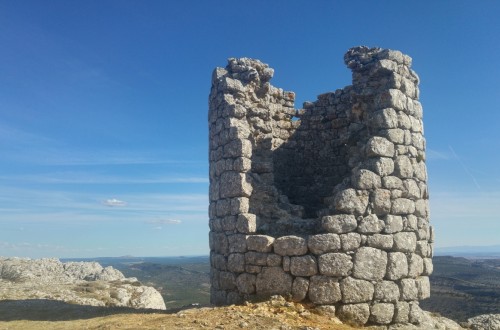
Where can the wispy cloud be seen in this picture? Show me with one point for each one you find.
(432, 154)
(466, 169)
(113, 202)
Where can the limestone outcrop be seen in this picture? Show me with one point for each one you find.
(327, 203)
(85, 283)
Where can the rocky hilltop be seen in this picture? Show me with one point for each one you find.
(84, 283)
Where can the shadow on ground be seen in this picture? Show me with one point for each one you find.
(53, 310)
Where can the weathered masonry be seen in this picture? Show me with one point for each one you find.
(326, 204)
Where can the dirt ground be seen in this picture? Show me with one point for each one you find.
(277, 314)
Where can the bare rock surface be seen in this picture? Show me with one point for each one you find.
(84, 283)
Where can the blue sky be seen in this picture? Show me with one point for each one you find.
(103, 110)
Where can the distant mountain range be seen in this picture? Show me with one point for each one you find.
(469, 251)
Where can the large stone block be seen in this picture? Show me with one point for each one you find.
(335, 264)
(370, 225)
(290, 246)
(381, 201)
(246, 223)
(322, 243)
(378, 146)
(246, 283)
(409, 290)
(397, 266)
(324, 290)
(356, 291)
(405, 242)
(349, 201)
(236, 262)
(234, 184)
(355, 314)
(303, 266)
(380, 241)
(386, 291)
(402, 206)
(365, 179)
(260, 243)
(339, 224)
(273, 280)
(382, 313)
(370, 264)
(350, 241)
(300, 287)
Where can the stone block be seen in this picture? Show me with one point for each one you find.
(218, 242)
(428, 266)
(324, 290)
(218, 261)
(339, 224)
(409, 290)
(228, 223)
(300, 287)
(223, 207)
(392, 182)
(382, 166)
(365, 179)
(256, 258)
(237, 243)
(303, 266)
(416, 315)
(322, 243)
(397, 266)
(423, 287)
(405, 242)
(286, 263)
(403, 168)
(273, 281)
(420, 171)
(385, 118)
(260, 243)
(380, 241)
(234, 184)
(378, 146)
(386, 291)
(356, 291)
(370, 264)
(381, 199)
(335, 264)
(246, 283)
(422, 208)
(246, 223)
(290, 246)
(239, 205)
(401, 312)
(236, 262)
(415, 265)
(238, 148)
(382, 313)
(273, 260)
(350, 241)
(402, 206)
(394, 135)
(349, 201)
(393, 224)
(227, 281)
(354, 314)
(370, 225)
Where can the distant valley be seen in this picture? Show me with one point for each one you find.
(460, 287)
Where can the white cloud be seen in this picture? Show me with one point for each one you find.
(164, 222)
(113, 202)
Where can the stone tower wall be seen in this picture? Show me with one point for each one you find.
(326, 204)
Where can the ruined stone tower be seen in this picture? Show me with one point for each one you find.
(326, 204)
